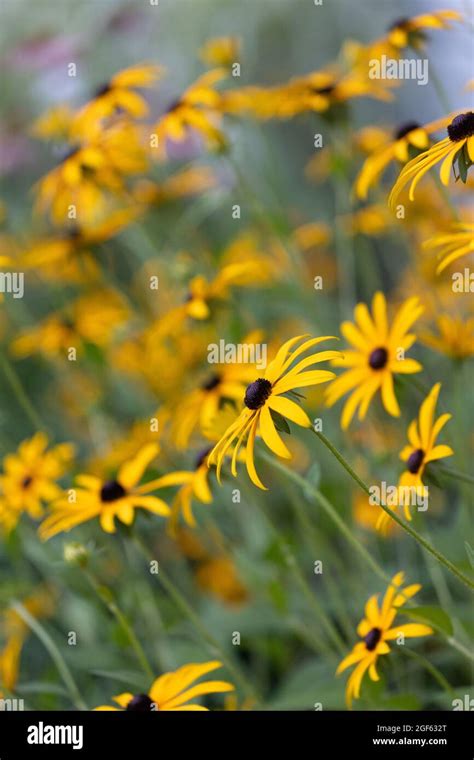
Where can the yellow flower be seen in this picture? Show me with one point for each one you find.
(375, 630)
(377, 354)
(218, 576)
(90, 172)
(367, 515)
(55, 123)
(193, 180)
(92, 318)
(117, 96)
(421, 450)
(458, 148)
(193, 484)
(453, 244)
(198, 408)
(65, 256)
(173, 691)
(198, 108)
(220, 51)
(29, 478)
(409, 31)
(455, 336)
(407, 139)
(107, 500)
(39, 604)
(264, 403)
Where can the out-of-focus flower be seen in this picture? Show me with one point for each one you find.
(265, 405)
(15, 632)
(373, 221)
(117, 498)
(89, 173)
(312, 234)
(220, 51)
(92, 318)
(454, 337)
(367, 515)
(118, 95)
(456, 149)
(410, 31)
(29, 476)
(198, 108)
(187, 182)
(408, 139)
(378, 353)
(173, 691)
(375, 630)
(453, 244)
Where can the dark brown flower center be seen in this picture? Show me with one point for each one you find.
(201, 457)
(111, 491)
(405, 129)
(400, 23)
(372, 639)
(328, 90)
(103, 89)
(461, 127)
(415, 460)
(378, 358)
(257, 393)
(211, 382)
(26, 482)
(140, 703)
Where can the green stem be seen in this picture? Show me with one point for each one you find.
(430, 668)
(455, 474)
(186, 608)
(407, 528)
(105, 595)
(20, 394)
(53, 650)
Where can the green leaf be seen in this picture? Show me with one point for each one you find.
(280, 423)
(433, 616)
(470, 553)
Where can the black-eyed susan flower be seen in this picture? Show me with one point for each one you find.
(456, 149)
(192, 484)
(29, 476)
(173, 691)
(91, 318)
(265, 402)
(118, 95)
(377, 354)
(117, 498)
(90, 172)
(198, 109)
(406, 32)
(376, 628)
(452, 244)
(407, 140)
(454, 336)
(418, 453)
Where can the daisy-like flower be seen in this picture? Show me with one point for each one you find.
(265, 402)
(92, 318)
(173, 691)
(453, 244)
(456, 148)
(410, 31)
(29, 476)
(420, 451)
(377, 353)
(192, 484)
(375, 630)
(198, 108)
(409, 138)
(454, 337)
(107, 500)
(117, 95)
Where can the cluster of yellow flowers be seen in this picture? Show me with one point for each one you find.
(94, 201)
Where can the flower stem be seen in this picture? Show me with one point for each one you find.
(407, 528)
(53, 650)
(186, 608)
(105, 595)
(20, 393)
